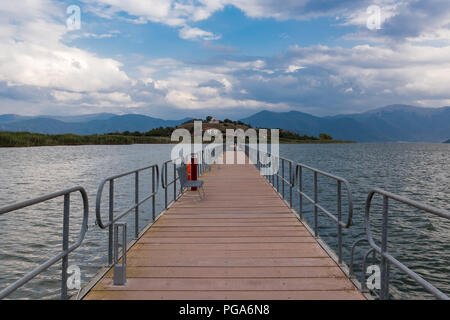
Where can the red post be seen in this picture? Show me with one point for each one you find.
(192, 171)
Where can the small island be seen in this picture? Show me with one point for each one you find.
(155, 136)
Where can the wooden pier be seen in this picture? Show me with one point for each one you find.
(241, 242)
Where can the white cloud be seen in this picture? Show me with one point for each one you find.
(36, 62)
(182, 14)
(110, 34)
(293, 68)
(33, 56)
(32, 53)
(59, 66)
(405, 19)
(195, 33)
(65, 96)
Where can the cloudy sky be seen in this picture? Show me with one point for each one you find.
(228, 58)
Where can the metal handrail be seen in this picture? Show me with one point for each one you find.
(66, 249)
(387, 258)
(352, 254)
(135, 207)
(282, 176)
(298, 172)
(298, 179)
(165, 185)
(315, 202)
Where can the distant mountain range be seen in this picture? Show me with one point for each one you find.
(391, 123)
(84, 124)
(388, 124)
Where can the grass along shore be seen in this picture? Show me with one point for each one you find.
(26, 139)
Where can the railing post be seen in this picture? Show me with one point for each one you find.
(111, 218)
(273, 171)
(136, 201)
(316, 227)
(278, 175)
(65, 246)
(120, 269)
(154, 195)
(384, 292)
(363, 270)
(203, 162)
(291, 182)
(174, 182)
(258, 164)
(300, 199)
(167, 186)
(339, 216)
(282, 173)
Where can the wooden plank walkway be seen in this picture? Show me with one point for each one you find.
(240, 242)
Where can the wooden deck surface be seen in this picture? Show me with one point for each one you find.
(240, 242)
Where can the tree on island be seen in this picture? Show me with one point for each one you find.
(325, 136)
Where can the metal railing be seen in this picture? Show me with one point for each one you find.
(382, 251)
(165, 185)
(203, 161)
(278, 177)
(66, 249)
(137, 203)
(337, 219)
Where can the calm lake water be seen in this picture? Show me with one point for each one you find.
(30, 236)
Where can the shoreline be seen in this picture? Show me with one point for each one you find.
(174, 143)
(26, 139)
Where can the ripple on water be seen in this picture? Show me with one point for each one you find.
(29, 237)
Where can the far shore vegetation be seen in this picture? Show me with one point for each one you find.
(155, 136)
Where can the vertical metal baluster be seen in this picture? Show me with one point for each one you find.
(258, 164)
(300, 181)
(167, 186)
(282, 173)
(316, 227)
(278, 175)
(363, 271)
(384, 294)
(153, 192)
(174, 182)
(291, 182)
(339, 214)
(270, 177)
(65, 246)
(272, 161)
(136, 201)
(111, 217)
(120, 269)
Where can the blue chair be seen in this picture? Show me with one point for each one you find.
(185, 183)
